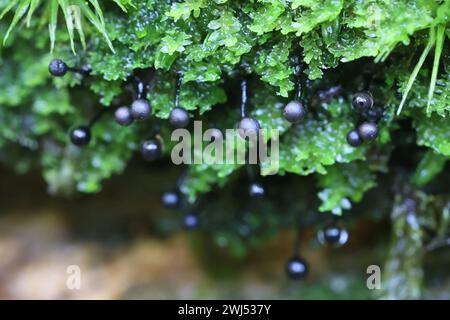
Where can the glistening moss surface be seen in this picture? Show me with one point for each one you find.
(215, 43)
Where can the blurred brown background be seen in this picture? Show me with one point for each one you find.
(112, 237)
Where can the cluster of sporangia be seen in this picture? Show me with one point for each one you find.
(333, 235)
(366, 131)
(294, 112)
(174, 200)
(138, 111)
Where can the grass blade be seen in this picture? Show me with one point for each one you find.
(437, 57)
(69, 17)
(92, 17)
(123, 4)
(53, 23)
(20, 12)
(413, 76)
(90, 9)
(33, 6)
(8, 8)
(98, 11)
(80, 31)
(120, 5)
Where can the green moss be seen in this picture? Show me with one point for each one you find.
(216, 43)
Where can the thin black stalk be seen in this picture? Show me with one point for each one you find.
(97, 116)
(250, 172)
(156, 130)
(335, 219)
(244, 97)
(301, 85)
(140, 87)
(79, 71)
(299, 89)
(297, 243)
(178, 89)
(181, 179)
